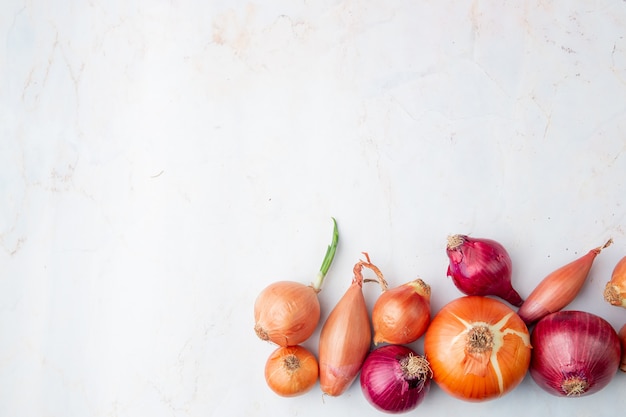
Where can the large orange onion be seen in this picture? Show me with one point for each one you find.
(478, 348)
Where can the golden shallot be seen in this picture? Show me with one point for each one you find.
(559, 288)
(346, 335)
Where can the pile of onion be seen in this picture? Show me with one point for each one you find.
(395, 379)
(575, 353)
(478, 348)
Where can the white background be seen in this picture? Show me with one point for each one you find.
(161, 162)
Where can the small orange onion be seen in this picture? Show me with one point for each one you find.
(558, 288)
(346, 336)
(291, 371)
(401, 315)
(615, 290)
(622, 339)
(478, 348)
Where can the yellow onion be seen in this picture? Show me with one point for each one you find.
(615, 290)
(478, 348)
(287, 312)
(291, 371)
(346, 335)
(401, 315)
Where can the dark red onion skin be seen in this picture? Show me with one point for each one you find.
(482, 267)
(572, 343)
(385, 386)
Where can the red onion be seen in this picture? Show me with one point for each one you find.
(395, 379)
(622, 339)
(575, 353)
(481, 267)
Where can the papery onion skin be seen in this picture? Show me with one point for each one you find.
(401, 315)
(622, 339)
(559, 288)
(395, 379)
(344, 342)
(291, 371)
(346, 336)
(615, 290)
(474, 371)
(286, 313)
(575, 353)
(481, 266)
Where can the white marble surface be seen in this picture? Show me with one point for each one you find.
(163, 161)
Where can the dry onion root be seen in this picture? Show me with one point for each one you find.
(615, 290)
(291, 371)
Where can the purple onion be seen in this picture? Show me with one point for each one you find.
(481, 267)
(395, 379)
(575, 353)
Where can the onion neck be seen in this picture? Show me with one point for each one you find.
(328, 259)
(606, 245)
(420, 287)
(358, 273)
(455, 241)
